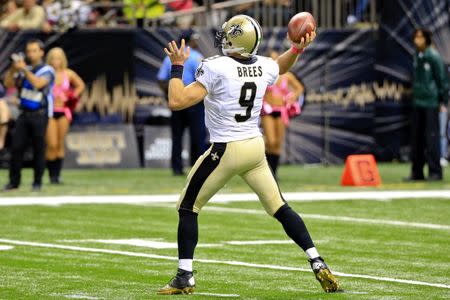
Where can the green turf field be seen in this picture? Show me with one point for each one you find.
(398, 249)
(148, 181)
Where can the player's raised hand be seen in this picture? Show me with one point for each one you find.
(177, 55)
(305, 41)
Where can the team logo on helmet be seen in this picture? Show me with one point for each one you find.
(235, 30)
(241, 35)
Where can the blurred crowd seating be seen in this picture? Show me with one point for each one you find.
(63, 15)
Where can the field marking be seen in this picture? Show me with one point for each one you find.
(6, 247)
(218, 295)
(336, 218)
(80, 296)
(324, 217)
(259, 242)
(142, 243)
(226, 198)
(173, 245)
(222, 262)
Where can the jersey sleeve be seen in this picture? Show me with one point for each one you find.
(194, 64)
(205, 76)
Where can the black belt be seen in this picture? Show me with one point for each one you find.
(27, 112)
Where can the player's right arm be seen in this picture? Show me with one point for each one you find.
(181, 96)
(286, 60)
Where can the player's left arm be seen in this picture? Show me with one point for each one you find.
(286, 60)
(181, 96)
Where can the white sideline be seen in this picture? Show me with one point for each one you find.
(226, 198)
(211, 261)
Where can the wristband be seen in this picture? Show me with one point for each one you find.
(176, 71)
(296, 50)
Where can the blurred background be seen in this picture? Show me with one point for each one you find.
(357, 74)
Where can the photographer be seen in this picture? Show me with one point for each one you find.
(34, 83)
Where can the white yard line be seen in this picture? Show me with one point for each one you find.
(222, 262)
(218, 295)
(153, 244)
(322, 217)
(4, 247)
(80, 296)
(226, 198)
(259, 242)
(335, 218)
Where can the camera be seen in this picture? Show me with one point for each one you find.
(15, 57)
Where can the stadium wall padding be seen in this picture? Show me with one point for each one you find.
(357, 80)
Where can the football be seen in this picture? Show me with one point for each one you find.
(299, 25)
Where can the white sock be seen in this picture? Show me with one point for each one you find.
(312, 253)
(185, 264)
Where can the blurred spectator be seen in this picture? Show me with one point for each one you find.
(430, 93)
(63, 15)
(443, 121)
(8, 112)
(66, 92)
(30, 16)
(138, 10)
(8, 9)
(359, 12)
(192, 117)
(34, 82)
(4, 119)
(184, 22)
(105, 13)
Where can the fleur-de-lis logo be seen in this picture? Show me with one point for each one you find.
(235, 30)
(214, 156)
(199, 71)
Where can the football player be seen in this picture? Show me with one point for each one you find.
(233, 87)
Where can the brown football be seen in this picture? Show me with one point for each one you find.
(299, 25)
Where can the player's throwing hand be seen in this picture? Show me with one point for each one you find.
(305, 41)
(177, 55)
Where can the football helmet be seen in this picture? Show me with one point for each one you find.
(241, 34)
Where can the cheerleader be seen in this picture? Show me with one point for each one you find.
(67, 89)
(281, 102)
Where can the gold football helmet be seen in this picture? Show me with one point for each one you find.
(241, 34)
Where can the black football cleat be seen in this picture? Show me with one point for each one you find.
(323, 274)
(10, 187)
(182, 283)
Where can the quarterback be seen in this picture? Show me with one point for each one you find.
(233, 86)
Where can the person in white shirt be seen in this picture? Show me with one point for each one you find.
(30, 16)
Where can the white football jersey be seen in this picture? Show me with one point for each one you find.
(235, 95)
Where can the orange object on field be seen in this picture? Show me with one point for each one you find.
(361, 170)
